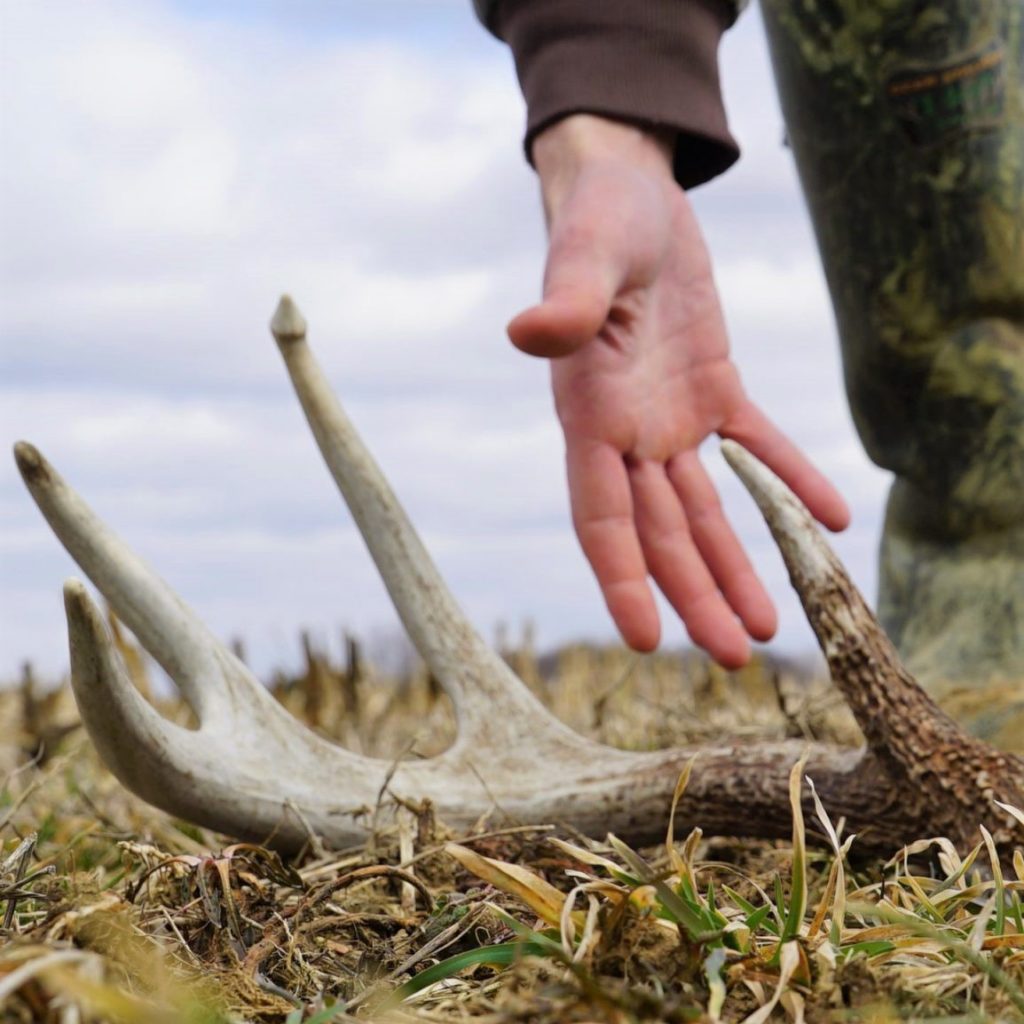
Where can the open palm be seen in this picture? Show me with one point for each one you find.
(641, 375)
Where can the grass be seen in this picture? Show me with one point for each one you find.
(112, 911)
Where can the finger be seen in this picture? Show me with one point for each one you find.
(719, 547)
(602, 512)
(586, 267)
(677, 567)
(752, 429)
(557, 327)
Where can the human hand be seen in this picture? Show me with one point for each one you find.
(641, 375)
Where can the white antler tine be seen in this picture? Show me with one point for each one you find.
(808, 558)
(164, 625)
(133, 739)
(864, 663)
(484, 690)
(188, 773)
(815, 572)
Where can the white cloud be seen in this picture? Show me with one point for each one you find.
(176, 171)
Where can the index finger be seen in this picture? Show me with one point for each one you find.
(602, 513)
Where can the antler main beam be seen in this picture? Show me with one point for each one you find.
(252, 770)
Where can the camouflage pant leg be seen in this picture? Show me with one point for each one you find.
(907, 123)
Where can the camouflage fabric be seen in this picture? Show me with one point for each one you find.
(907, 123)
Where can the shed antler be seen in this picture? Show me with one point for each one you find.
(252, 770)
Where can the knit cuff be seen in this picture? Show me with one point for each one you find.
(653, 63)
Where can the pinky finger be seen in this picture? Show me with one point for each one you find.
(752, 429)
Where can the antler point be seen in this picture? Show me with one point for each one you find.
(78, 605)
(287, 323)
(31, 464)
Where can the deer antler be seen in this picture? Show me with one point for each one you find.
(252, 770)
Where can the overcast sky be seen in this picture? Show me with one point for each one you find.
(169, 168)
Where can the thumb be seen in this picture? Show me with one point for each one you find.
(581, 280)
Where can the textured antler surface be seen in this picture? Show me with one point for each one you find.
(252, 770)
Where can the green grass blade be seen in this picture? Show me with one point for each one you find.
(798, 877)
(500, 955)
(744, 904)
(693, 923)
(323, 1017)
(716, 983)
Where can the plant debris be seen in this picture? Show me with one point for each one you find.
(113, 911)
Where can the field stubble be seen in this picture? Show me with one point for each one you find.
(113, 911)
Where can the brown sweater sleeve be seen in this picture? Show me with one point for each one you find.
(649, 62)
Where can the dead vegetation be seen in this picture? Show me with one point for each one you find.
(113, 911)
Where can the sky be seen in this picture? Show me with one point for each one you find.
(170, 168)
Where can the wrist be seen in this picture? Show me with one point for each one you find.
(582, 141)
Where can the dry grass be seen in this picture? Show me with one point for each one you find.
(113, 911)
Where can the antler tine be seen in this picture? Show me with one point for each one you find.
(884, 698)
(939, 776)
(133, 739)
(195, 774)
(490, 701)
(169, 630)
